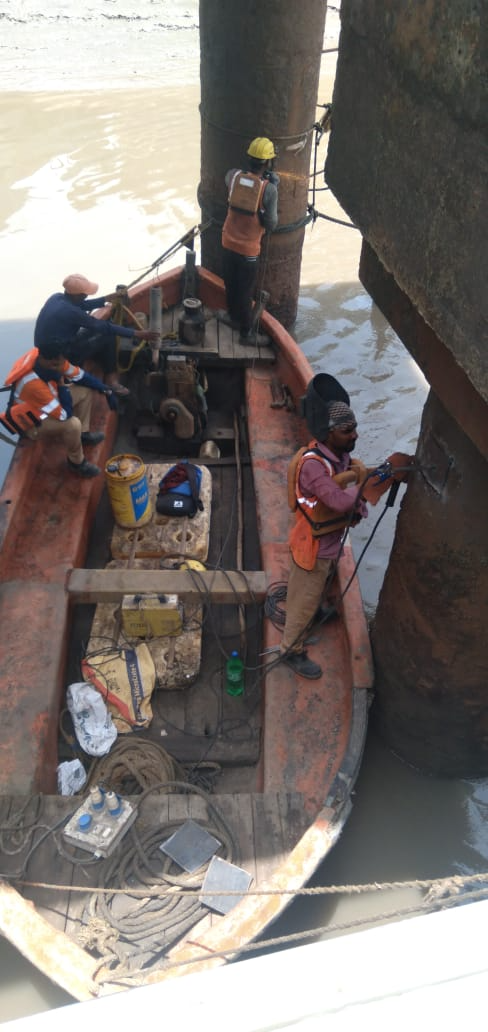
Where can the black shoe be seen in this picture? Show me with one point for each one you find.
(302, 665)
(92, 437)
(84, 469)
(324, 614)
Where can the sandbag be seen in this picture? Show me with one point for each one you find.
(125, 678)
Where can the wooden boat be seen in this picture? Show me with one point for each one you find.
(282, 758)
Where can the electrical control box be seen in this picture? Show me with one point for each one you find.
(151, 616)
(100, 823)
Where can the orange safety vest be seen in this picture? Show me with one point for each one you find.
(242, 231)
(313, 518)
(33, 399)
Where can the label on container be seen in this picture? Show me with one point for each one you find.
(139, 493)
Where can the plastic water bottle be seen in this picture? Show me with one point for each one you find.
(234, 673)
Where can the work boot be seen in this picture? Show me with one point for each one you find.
(84, 469)
(252, 338)
(324, 614)
(302, 665)
(92, 437)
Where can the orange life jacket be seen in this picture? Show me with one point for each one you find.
(22, 366)
(242, 231)
(313, 518)
(33, 399)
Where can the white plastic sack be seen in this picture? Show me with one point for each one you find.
(71, 777)
(92, 721)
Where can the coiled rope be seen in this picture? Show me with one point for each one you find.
(130, 769)
(133, 932)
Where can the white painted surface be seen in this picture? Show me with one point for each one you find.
(428, 972)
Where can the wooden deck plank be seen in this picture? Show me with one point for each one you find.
(47, 863)
(220, 343)
(243, 830)
(220, 587)
(261, 826)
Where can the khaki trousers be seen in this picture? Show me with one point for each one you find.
(68, 431)
(303, 597)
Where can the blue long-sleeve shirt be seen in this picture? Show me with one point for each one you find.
(60, 319)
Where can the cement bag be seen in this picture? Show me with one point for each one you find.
(125, 678)
(92, 722)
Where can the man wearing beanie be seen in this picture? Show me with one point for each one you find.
(66, 320)
(327, 499)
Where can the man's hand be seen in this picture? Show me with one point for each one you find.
(112, 400)
(151, 335)
(360, 470)
(118, 295)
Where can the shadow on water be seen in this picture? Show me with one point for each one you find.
(393, 834)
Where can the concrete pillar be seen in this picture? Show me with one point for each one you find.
(428, 636)
(260, 66)
(408, 161)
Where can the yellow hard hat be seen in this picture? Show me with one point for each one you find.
(261, 148)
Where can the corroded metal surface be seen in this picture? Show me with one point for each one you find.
(268, 58)
(408, 160)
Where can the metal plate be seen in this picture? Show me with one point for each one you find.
(190, 846)
(223, 877)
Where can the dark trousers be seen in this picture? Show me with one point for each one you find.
(239, 275)
(102, 350)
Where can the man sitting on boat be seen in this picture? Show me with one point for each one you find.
(253, 210)
(51, 399)
(325, 493)
(65, 319)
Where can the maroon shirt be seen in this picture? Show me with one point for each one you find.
(314, 480)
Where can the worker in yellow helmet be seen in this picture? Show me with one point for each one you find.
(252, 211)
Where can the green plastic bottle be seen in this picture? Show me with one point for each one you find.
(234, 673)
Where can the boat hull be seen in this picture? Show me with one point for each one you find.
(313, 733)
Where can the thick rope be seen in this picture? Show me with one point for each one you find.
(451, 883)
(128, 769)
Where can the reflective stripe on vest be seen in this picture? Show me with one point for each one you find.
(50, 407)
(302, 500)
